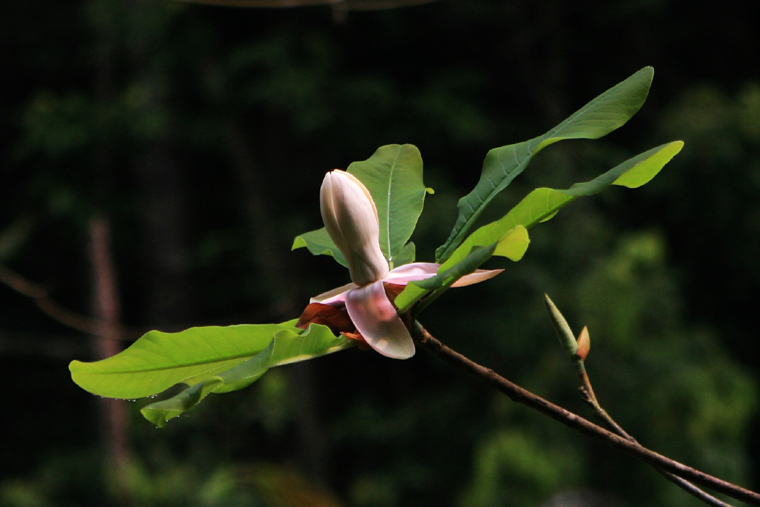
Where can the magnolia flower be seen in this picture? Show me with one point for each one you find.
(351, 220)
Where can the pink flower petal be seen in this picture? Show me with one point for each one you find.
(422, 270)
(412, 272)
(333, 296)
(477, 276)
(376, 319)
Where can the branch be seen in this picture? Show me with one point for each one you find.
(44, 302)
(577, 350)
(49, 307)
(590, 398)
(574, 421)
(78, 322)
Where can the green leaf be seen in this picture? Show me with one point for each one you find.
(512, 245)
(319, 243)
(446, 277)
(393, 176)
(287, 346)
(160, 360)
(294, 345)
(235, 378)
(543, 203)
(605, 113)
(405, 256)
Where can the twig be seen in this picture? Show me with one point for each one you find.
(521, 395)
(44, 302)
(590, 398)
(41, 297)
(78, 322)
(577, 350)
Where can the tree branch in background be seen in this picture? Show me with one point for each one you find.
(574, 421)
(41, 297)
(106, 308)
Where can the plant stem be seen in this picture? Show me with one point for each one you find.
(521, 395)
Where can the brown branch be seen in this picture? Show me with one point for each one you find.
(590, 398)
(521, 395)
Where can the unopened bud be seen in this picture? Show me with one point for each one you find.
(565, 335)
(350, 217)
(584, 344)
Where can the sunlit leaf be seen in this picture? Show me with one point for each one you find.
(605, 113)
(512, 245)
(393, 175)
(294, 345)
(287, 346)
(543, 203)
(160, 360)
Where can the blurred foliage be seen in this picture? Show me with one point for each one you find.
(203, 133)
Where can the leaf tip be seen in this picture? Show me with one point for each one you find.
(158, 418)
(298, 242)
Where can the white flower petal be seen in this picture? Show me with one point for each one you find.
(422, 270)
(350, 217)
(334, 295)
(376, 319)
(412, 272)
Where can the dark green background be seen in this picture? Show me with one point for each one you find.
(202, 135)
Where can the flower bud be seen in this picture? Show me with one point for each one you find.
(565, 335)
(350, 217)
(584, 344)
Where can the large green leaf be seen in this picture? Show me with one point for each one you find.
(160, 360)
(287, 346)
(393, 175)
(512, 245)
(605, 113)
(319, 243)
(543, 203)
